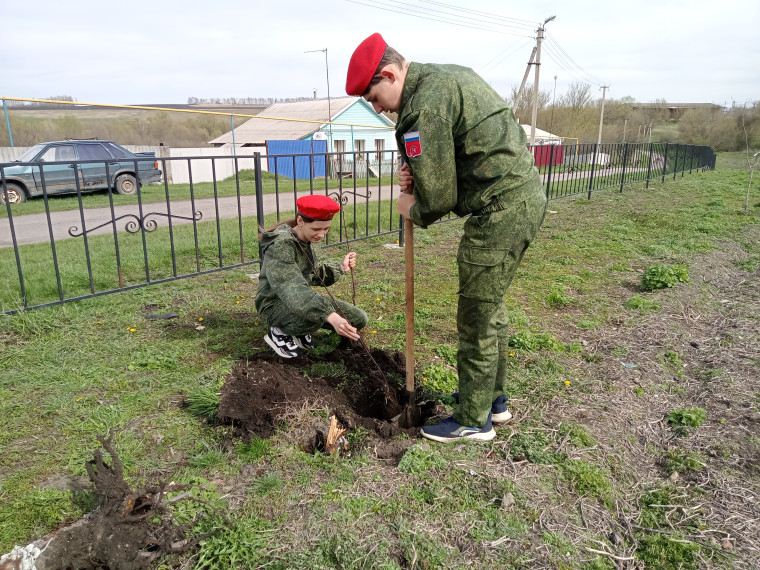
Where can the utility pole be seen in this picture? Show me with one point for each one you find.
(329, 110)
(525, 78)
(601, 118)
(554, 100)
(539, 39)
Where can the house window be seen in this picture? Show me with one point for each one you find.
(340, 146)
(379, 148)
(359, 148)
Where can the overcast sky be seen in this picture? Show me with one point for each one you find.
(166, 51)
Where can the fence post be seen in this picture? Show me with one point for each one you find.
(8, 123)
(675, 166)
(549, 173)
(4, 191)
(625, 160)
(259, 197)
(649, 166)
(665, 163)
(691, 158)
(593, 164)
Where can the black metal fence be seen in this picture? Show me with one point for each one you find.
(77, 242)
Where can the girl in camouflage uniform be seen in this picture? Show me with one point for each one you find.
(468, 155)
(290, 267)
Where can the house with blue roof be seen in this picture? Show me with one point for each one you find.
(347, 128)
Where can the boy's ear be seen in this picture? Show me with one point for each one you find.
(389, 72)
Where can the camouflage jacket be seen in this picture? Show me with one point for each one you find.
(288, 273)
(470, 148)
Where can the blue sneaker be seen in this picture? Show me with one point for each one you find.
(449, 430)
(499, 411)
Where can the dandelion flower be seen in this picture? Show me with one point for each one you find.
(79, 399)
(132, 330)
(511, 354)
(567, 382)
(377, 299)
(374, 332)
(200, 319)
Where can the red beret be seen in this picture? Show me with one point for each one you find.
(317, 207)
(364, 63)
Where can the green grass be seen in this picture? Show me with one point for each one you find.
(69, 373)
(216, 247)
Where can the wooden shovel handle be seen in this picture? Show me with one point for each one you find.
(409, 274)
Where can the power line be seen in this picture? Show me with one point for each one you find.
(502, 56)
(525, 23)
(426, 16)
(555, 43)
(565, 65)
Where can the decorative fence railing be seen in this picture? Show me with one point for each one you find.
(73, 242)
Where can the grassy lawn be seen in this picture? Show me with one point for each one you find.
(572, 467)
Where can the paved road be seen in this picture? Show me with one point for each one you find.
(33, 228)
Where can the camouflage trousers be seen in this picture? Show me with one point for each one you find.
(490, 251)
(281, 316)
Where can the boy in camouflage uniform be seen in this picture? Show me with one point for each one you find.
(464, 153)
(290, 267)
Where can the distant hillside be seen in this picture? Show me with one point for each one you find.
(41, 122)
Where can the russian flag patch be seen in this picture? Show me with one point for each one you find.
(412, 144)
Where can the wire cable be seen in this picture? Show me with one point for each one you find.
(525, 23)
(555, 44)
(565, 65)
(493, 61)
(426, 16)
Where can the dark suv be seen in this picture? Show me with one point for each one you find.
(97, 164)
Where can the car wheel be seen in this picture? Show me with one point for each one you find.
(126, 184)
(16, 194)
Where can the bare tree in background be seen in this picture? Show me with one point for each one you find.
(523, 108)
(578, 96)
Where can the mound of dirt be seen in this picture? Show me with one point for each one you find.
(361, 388)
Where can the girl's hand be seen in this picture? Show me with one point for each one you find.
(349, 262)
(405, 179)
(342, 326)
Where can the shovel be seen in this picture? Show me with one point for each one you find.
(410, 416)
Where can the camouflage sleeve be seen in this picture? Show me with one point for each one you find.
(327, 274)
(289, 284)
(434, 169)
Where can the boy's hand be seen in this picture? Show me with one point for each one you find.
(349, 262)
(342, 326)
(404, 204)
(405, 179)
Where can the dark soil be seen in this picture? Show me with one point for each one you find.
(363, 389)
(129, 530)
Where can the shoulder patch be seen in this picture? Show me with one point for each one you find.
(412, 143)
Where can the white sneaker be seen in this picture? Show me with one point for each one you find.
(304, 341)
(283, 344)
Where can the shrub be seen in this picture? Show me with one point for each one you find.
(439, 379)
(682, 461)
(682, 420)
(447, 352)
(660, 276)
(639, 303)
(535, 341)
